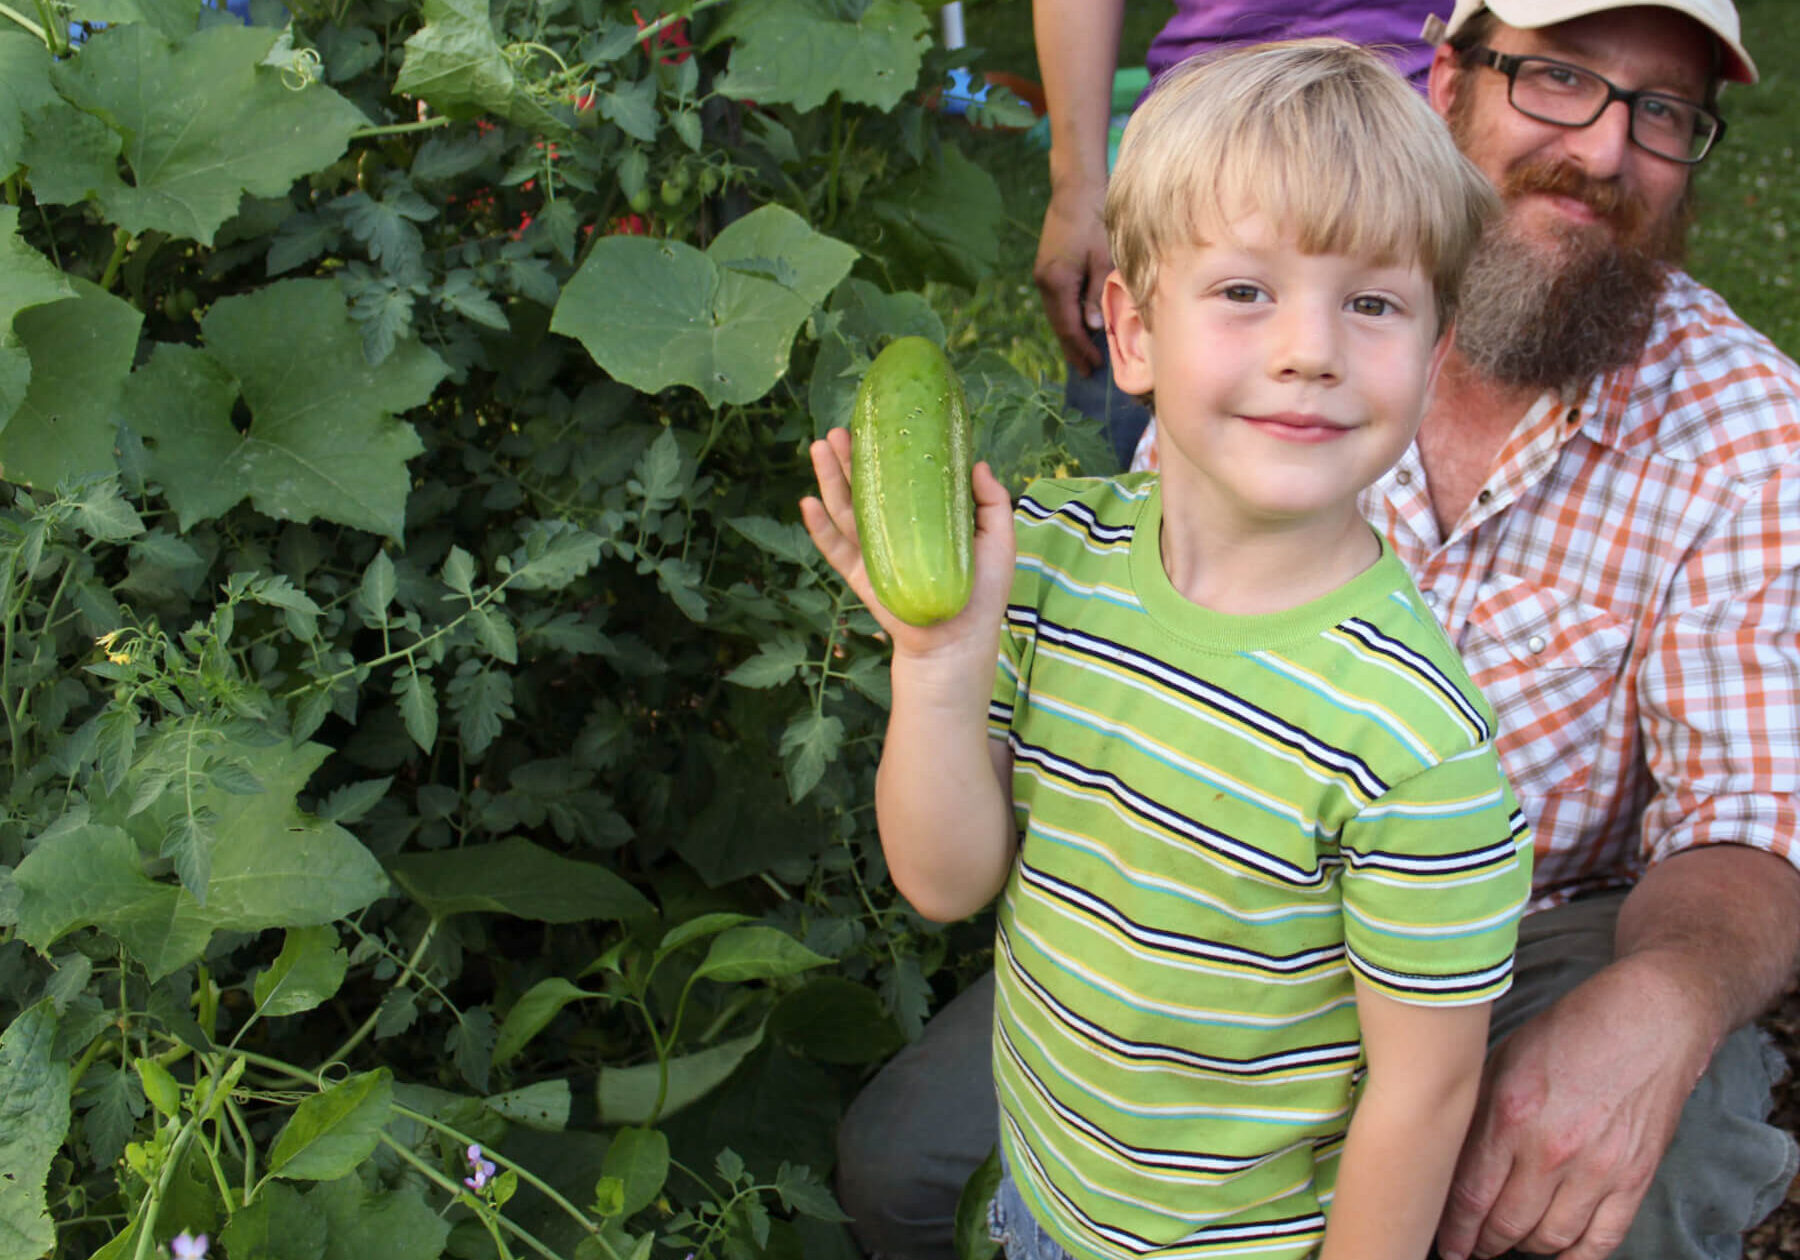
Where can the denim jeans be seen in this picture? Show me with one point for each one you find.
(1096, 397)
(1011, 1224)
(915, 1134)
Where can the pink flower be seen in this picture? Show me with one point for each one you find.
(482, 1168)
(185, 1247)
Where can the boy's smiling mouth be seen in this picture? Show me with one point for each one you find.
(1295, 426)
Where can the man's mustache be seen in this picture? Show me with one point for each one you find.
(1626, 212)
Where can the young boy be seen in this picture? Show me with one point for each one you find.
(1261, 872)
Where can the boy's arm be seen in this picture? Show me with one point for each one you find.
(1424, 1073)
(943, 794)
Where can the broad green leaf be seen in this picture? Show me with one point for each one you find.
(34, 1119)
(275, 866)
(656, 313)
(534, 1010)
(808, 745)
(133, 94)
(773, 665)
(545, 1105)
(755, 952)
(174, 18)
(972, 1241)
(80, 351)
(27, 278)
(639, 1158)
(628, 1095)
(455, 64)
(103, 514)
(307, 973)
(199, 123)
(941, 221)
(323, 440)
(279, 1224)
(331, 1132)
(834, 1020)
(93, 875)
(516, 877)
(800, 52)
(378, 1225)
(24, 88)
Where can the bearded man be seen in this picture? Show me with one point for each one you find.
(1603, 510)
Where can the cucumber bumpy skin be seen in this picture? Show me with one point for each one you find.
(912, 451)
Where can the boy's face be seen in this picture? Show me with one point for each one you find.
(1285, 382)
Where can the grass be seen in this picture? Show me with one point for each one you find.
(1746, 243)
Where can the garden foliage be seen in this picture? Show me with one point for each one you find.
(438, 768)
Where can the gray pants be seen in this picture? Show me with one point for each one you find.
(913, 1136)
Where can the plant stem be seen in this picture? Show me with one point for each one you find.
(368, 1025)
(525, 1174)
(28, 24)
(400, 129)
(121, 243)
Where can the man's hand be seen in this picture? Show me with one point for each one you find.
(1576, 1111)
(1072, 264)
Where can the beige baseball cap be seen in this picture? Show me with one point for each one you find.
(1718, 16)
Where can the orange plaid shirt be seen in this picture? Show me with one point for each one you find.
(1625, 590)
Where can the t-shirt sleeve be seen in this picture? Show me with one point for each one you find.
(1018, 634)
(1436, 874)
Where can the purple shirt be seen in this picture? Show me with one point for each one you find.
(1200, 26)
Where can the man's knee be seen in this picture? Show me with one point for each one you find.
(917, 1131)
(1727, 1167)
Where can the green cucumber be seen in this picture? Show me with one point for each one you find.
(912, 449)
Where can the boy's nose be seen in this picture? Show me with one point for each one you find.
(1305, 343)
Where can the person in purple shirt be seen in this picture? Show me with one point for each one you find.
(1078, 50)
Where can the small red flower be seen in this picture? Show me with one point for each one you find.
(524, 222)
(674, 35)
(628, 225)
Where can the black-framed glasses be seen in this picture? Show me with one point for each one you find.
(1568, 96)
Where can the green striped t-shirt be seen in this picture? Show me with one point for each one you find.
(1223, 819)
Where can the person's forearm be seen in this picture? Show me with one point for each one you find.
(1395, 1171)
(1723, 924)
(1078, 52)
(945, 819)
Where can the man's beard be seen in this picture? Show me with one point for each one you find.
(1557, 318)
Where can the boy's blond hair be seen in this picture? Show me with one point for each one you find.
(1320, 135)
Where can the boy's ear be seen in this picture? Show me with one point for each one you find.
(1127, 337)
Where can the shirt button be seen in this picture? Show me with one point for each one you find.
(1574, 415)
(1404, 477)
(1431, 599)
(1535, 643)
(1484, 496)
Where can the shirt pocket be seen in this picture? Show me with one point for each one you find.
(1550, 665)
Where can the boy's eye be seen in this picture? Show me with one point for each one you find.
(1368, 305)
(1242, 293)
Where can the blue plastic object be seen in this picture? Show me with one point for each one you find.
(961, 93)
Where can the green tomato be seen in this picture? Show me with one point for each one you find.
(640, 201)
(709, 181)
(671, 194)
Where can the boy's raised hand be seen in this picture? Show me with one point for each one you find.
(831, 520)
